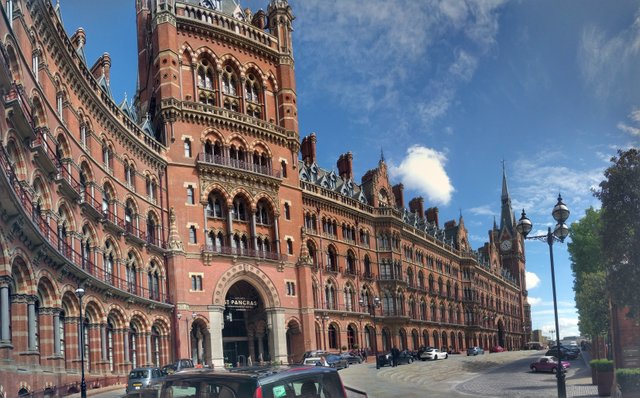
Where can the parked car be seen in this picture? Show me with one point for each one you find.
(276, 381)
(496, 348)
(336, 361)
(140, 378)
(433, 354)
(475, 351)
(404, 357)
(548, 364)
(351, 358)
(177, 366)
(316, 361)
(566, 354)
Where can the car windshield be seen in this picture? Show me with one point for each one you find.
(316, 386)
(138, 374)
(208, 388)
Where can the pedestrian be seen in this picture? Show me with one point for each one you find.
(395, 354)
(364, 355)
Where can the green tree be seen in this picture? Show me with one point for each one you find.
(588, 266)
(620, 197)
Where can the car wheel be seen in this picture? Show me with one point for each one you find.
(446, 356)
(554, 370)
(534, 369)
(410, 361)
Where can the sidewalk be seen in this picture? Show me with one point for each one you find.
(116, 390)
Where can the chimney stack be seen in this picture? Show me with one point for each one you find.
(432, 215)
(102, 66)
(308, 149)
(345, 166)
(398, 192)
(416, 205)
(79, 39)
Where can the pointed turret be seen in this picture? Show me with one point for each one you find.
(506, 213)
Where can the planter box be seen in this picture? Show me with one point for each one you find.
(605, 382)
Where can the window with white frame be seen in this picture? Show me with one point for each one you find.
(291, 288)
(192, 235)
(196, 282)
(190, 195)
(187, 148)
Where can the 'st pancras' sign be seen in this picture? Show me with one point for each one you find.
(240, 303)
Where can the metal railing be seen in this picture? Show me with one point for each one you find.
(238, 164)
(237, 251)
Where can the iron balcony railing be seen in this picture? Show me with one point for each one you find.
(237, 251)
(238, 164)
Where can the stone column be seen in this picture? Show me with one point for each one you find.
(230, 226)
(216, 316)
(56, 332)
(5, 337)
(125, 338)
(277, 335)
(254, 236)
(103, 341)
(277, 233)
(149, 361)
(31, 316)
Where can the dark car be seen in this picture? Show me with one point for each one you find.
(351, 358)
(404, 357)
(177, 366)
(566, 354)
(336, 361)
(265, 382)
(475, 351)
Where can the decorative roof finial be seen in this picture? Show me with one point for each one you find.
(381, 155)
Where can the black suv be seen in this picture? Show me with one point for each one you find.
(256, 382)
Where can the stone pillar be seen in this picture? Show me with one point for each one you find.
(31, 328)
(230, 226)
(277, 335)
(125, 337)
(5, 337)
(148, 360)
(103, 342)
(56, 332)
(254, 235)
(277, 234)
(260, 337)
(216, 316)
(251, 336)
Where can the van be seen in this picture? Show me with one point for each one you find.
(141, 378)
(177, 366)
(265, 382)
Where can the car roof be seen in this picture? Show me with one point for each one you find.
(262, 374)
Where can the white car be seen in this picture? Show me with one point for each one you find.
(316, 361)
(433, 354)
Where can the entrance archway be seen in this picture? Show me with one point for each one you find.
(295, 341)
(245, 336)
(351, 336)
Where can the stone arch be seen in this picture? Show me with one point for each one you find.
(212, 134)
(140, 319)
(187, 54)
(239, 138)
(117, 314)
(265, 196)
(163, 324)
(22, 272)
(41, 190)
(49, 289)
(65, 211)
(94, 309)
(14, 63)
(230, 59)
(206, 191)
(260, 281)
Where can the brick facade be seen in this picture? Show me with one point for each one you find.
(199, 223)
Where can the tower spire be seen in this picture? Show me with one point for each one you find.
(506, 213)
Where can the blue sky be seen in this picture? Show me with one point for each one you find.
(449, 89)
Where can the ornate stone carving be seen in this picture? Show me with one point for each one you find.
(175, 243)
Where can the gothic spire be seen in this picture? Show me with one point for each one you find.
(506, 213)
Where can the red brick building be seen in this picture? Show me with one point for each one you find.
(199, 223)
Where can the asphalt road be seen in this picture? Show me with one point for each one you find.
(505, 374)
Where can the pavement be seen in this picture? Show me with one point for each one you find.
(490, 375)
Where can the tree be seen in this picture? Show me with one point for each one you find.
(588, 266)
(620, 197)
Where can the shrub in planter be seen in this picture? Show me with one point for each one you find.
(629, 381)
(604, 367)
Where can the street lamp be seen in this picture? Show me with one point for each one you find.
(560, 213)
(83, 383)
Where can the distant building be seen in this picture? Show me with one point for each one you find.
(199, 223)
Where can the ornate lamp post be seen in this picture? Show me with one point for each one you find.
(83, 383)
(560, 213)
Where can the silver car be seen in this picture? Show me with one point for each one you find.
(140, 378)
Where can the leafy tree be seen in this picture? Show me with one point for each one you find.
(620, 197)
(587, 264)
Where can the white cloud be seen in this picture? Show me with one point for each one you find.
(422, 170)
(384, 57)
(532, 280)
(484, 210)
(608, 62)
(632, 130)
(534, 300)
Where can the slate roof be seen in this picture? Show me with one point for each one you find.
(229, 7)
(328, 179)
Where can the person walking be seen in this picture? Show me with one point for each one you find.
(395, 355)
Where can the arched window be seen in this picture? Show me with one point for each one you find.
(229, 81)
(61, 335)
(351, 263)
(239, 209)
(262, 213)
(155, 346)
(367, 266)
(349, 298)
(151, 229)
(431, 284)
(108, 262)
(87, 343)
(133, 345)
(333, 337)
(154, 281)
(312, 253)
(214, 206)
(332, 259)
(330, 296)
(110, 342)
(129, 216)
(131, 274)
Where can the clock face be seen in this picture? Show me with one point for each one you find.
(506, 245)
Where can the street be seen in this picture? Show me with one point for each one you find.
(504, 374)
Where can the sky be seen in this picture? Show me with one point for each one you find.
(448, 90)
